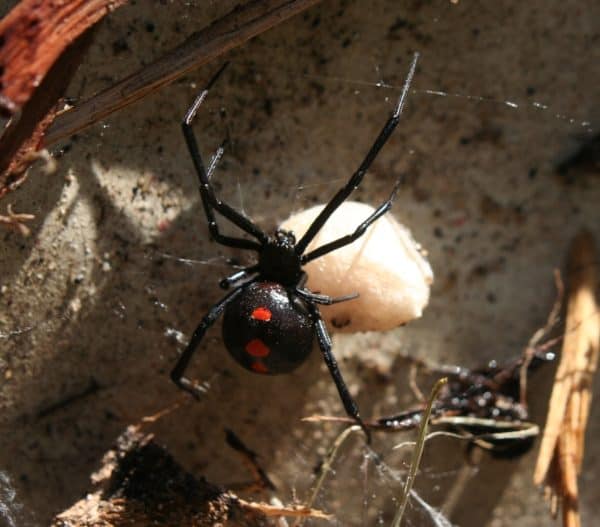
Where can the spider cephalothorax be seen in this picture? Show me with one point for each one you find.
(270, 318)
(278, 260)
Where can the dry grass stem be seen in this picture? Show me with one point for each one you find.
(326, 466)
(417, 452)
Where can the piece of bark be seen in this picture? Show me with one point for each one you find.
(139, 484)
(34, 122)
(41, 45)
(562, 448)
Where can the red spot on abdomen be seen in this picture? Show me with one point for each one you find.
(257, 348)
(262, 313)
(259, 367)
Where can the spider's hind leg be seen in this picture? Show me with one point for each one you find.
(177, 375)
(325, 346)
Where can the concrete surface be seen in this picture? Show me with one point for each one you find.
(101, 292)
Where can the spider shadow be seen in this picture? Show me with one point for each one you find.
(38, 195)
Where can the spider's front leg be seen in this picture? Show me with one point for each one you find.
(226, 283)
(177, 375)
(357, 178)
(325, 346)
(316, 298)
(210, 202)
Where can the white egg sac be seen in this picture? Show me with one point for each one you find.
(385, 266)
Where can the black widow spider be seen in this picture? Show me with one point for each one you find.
(270, 318)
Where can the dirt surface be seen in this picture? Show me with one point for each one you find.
(139, 483)
(97, 304)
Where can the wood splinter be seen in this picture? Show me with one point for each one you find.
(561, 451)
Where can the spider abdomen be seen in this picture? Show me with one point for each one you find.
(268, 329)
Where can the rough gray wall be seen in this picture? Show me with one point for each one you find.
(97, 292)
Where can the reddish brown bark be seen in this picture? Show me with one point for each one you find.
(41, 45)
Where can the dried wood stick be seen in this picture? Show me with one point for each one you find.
(235, 28)
(561, 452)
(294, 511)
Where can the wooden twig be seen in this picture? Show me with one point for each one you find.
(293, 511)
(16, 221)
(561, 451)
(541, 334)
(34, 35)
(235, 28)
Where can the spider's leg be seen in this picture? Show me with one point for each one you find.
(208, 320)
(324, 299)
(325, 346)
(210, 201)
(359, 231)
(357, 177)
(316, 298)
(215, 160)
(405, 421)
(226, 283)
(302, 281)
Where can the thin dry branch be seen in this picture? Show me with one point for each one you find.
(417, 452)
(535, 342)
(232, 30)
(294, 511)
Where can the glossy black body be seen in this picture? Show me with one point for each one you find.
(288, 335)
